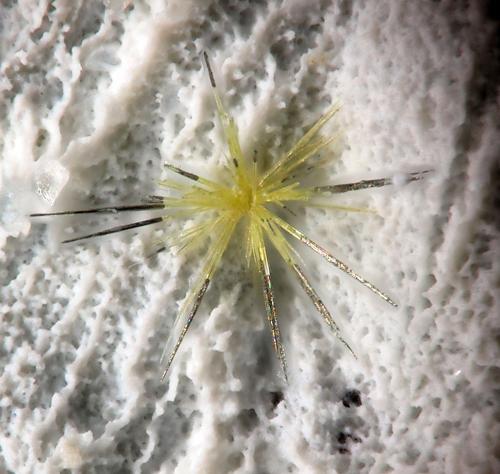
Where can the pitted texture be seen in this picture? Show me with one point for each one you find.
(96, 95)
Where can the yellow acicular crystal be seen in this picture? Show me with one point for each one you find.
(248, 199)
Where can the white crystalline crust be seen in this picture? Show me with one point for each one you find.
(96, 95)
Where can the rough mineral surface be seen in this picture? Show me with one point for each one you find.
(96, 95)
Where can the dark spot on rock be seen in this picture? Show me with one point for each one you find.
(352, 397)
(276, 398)
(248, 420)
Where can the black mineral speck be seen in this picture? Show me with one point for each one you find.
(352, 397)
(276, 398)
(342, 438)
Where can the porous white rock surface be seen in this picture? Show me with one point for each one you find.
(96, 95)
